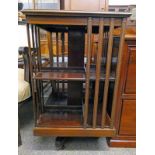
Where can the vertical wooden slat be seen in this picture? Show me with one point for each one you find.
(93, 49)
(66, 49)
(98, 70)
(57, 49)
(50, 47)
(42, 95)
(39, 51)
(57, 61)
(63, 47)
(36, 43)
(38, 96)
(33, 43)
(57, 58)
(63, 51)
(39, 48)
(31, 73)
(107, 74)
(89, 32)
(118, 69)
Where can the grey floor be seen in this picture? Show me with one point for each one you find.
(32, 145)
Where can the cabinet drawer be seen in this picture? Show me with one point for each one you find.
(130, 84)
(128, 118)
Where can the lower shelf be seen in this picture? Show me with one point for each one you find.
(61, 119)
(74, 132)
(67, 119)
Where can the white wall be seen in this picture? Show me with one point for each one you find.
(22, 35)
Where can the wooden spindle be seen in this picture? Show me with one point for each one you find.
(63, 51)
(57, 58)
(118, 69)
(63, 47)
(89, 33)
(107, 74)
(42, 95)
(57, 49)
(31, 73)
(50, 47)
(36, 44)
(98, 70)
(39, 48)
(39, 96)
(33, 45)
(32, 29)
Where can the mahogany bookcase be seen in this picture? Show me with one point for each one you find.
(83, 82)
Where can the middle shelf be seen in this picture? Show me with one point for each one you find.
(71, 75)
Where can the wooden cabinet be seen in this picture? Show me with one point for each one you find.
(126, 106)
(86, 5)
(130, 83)
(128, 119)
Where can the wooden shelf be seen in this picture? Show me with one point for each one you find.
(60, 76)
(61, 119)
(67, 119)
(71, 76)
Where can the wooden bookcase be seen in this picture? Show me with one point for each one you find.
(83, 85)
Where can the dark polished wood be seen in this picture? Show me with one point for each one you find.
(82, 14)
(118, 72)
(98, 71)
(108, 66)
(84, 79)
(25, 55)
(125, 119)
(128, 119)
(89, 44)
(76, 37)
(122, 142)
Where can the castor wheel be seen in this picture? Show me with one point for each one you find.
(59, 143)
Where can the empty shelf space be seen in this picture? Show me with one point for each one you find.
(98, 123)
(61, 119)
(99, 117)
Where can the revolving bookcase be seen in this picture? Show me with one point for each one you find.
(75, 93)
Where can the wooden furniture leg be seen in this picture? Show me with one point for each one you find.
(19, 135)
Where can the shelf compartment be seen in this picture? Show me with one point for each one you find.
(61, 119)
(73, 119)
(60, 76)
(50, 124)
(56, 75)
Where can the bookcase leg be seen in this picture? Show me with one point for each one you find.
(19, 135)
(60, 143)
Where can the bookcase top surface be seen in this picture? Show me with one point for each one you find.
(64, 13)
